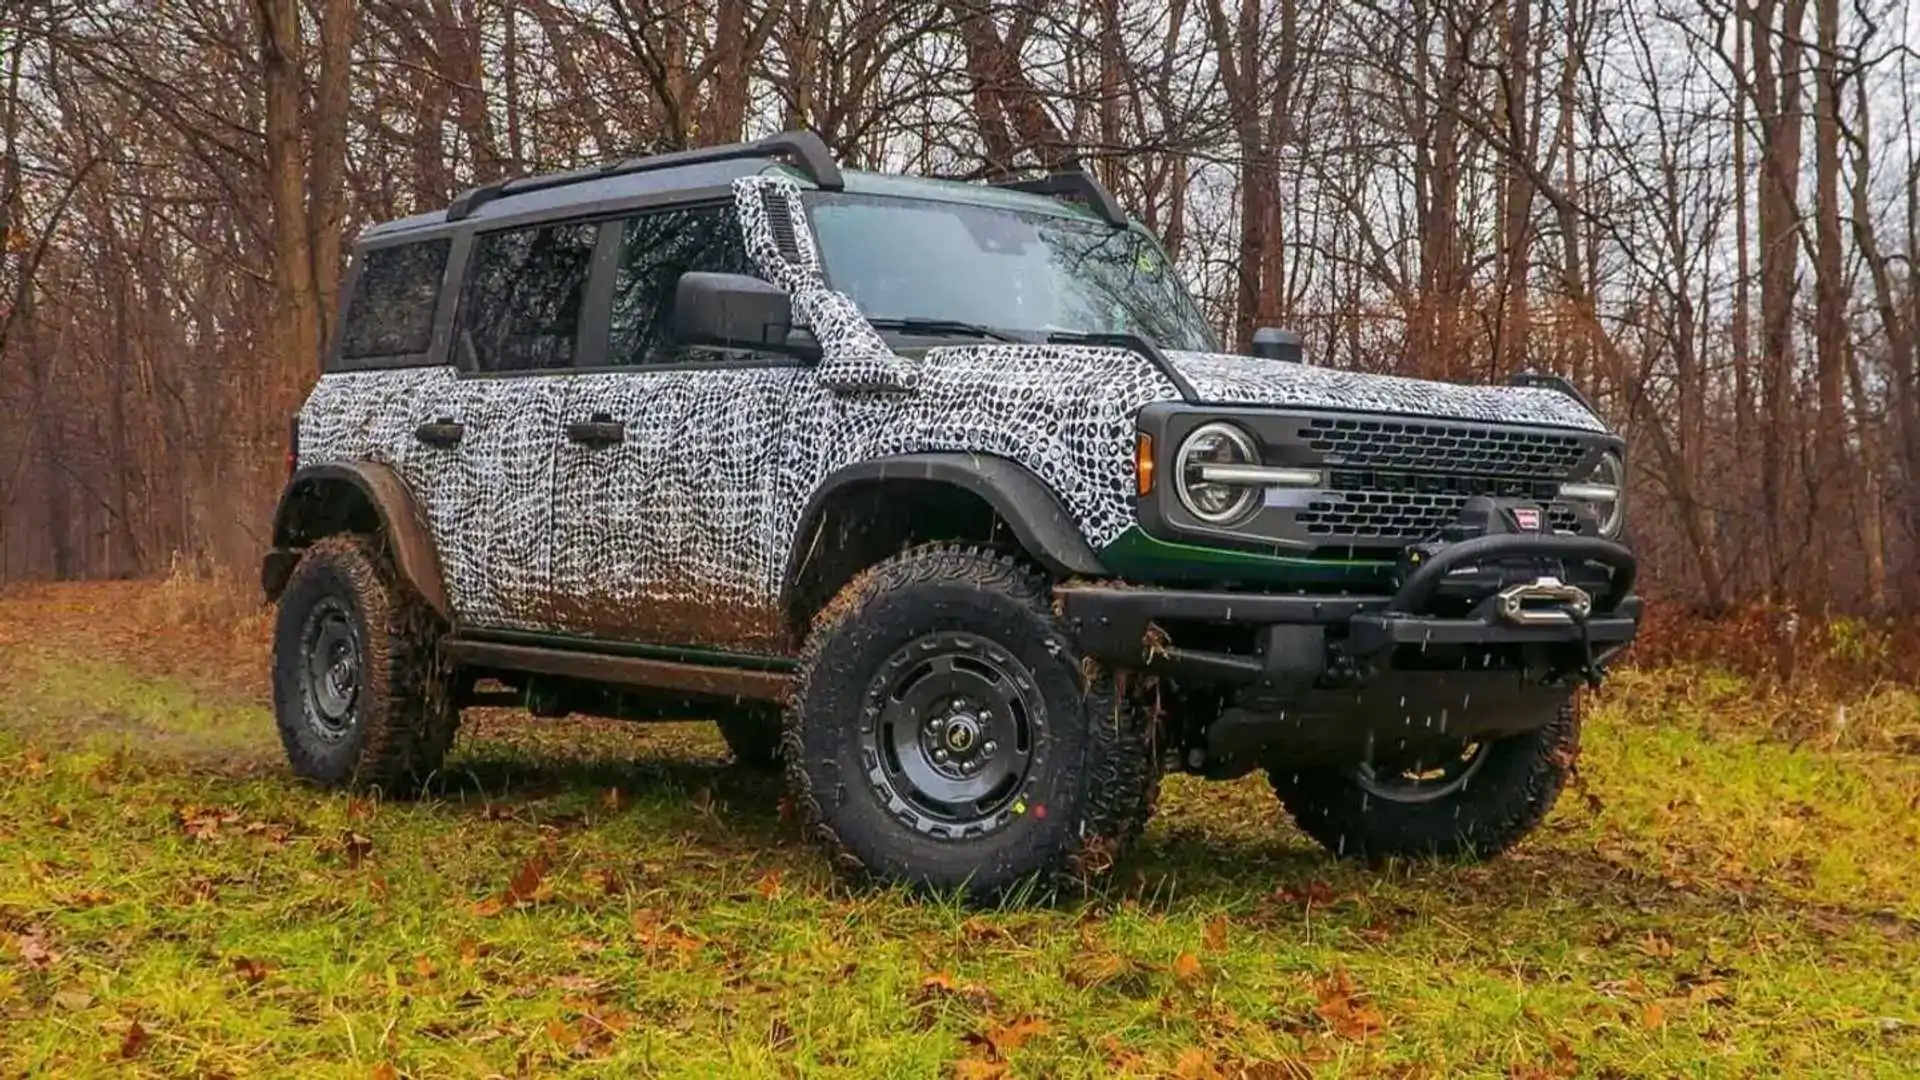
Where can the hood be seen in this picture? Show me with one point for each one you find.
(1218, 379)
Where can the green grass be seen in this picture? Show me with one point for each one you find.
(613, 900)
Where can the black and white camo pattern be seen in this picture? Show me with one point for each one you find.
(1246, 380)
(681, 534)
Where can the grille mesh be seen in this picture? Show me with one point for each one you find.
(1400, 444)
(1399, 515)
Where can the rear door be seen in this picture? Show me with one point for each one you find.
(668, 482)
(516, 335)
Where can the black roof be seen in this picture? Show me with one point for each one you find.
(622, 183)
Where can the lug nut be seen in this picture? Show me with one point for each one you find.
(990, 747)
(939, 754)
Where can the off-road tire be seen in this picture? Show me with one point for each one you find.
(753, 734)
(1506, 799)
(403, 715)
(1086, 794)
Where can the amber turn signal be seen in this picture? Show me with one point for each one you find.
(1143, 463)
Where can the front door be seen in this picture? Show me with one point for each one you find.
(665, 507)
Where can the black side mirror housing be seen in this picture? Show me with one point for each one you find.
(731, 311)
(1273, 343)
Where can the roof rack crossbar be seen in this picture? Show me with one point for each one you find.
(1073, 184)
(806, 150)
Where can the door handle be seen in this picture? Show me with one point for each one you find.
(601, 431)
(442, 432)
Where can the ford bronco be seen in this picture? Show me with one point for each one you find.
(940, 497)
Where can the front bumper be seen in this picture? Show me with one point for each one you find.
(1302, 635)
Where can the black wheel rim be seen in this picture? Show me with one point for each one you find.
(1422, 782)
(953, 734)
(331, 669)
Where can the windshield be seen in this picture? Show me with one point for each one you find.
(1031, 273)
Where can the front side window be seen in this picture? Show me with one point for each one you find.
(520, 308)
(1007, 270)
(655, 249)
(390, 312)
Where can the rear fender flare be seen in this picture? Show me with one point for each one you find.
(311, 507)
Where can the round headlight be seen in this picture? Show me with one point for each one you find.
(1213, 501)
(1605, 489)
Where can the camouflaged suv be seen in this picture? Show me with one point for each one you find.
(942, 498)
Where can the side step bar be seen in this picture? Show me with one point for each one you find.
(706, 680)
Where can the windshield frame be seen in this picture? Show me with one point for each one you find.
(1190, 311)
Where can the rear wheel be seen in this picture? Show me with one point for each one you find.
(943, 734)
(361, 696)
(1472, 800)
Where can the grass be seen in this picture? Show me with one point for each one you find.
(615, 900)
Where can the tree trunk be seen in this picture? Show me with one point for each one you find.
(296, 298)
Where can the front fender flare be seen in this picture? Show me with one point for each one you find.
(312, 507)
(1022, 500)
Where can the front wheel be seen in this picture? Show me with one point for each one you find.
(1475, 800)
(943, 734)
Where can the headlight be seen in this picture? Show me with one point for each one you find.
(1605, 490)
(1213, 500)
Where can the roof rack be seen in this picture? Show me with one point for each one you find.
(1073, 184)
(808, 153)
(1539, 380)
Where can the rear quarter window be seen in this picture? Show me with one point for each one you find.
(394, 296)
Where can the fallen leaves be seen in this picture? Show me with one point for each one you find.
(134, 1042)
(251, 972)
(33, 947)
(940, 986)
(1214, 937)
(527, 885)
(355, 847)
(659, 936)
(1186, 967)
(1344, 1009)
(994, 1048)
(204, 823)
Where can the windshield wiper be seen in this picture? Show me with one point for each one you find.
(943, 328)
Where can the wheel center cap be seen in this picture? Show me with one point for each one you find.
(962, 732)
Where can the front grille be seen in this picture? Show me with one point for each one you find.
(1399, 515)
(1405, 444)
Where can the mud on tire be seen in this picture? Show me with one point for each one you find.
(1506, 796)
(360, 694)
(942, 671)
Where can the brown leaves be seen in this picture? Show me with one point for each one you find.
(657, 936)
(34, 948)
(527, 885)
(355, 847)
(768, 886)
(251, 972)
(994, 1049)
(1344, 1009)
(134, 1041)
(203, 823)
(940, 986)
(1214, 937)
(1186, 967)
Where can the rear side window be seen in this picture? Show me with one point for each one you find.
(520, 307)
(391, 310)
(655, 249)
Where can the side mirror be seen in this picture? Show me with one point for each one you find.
(1273, 343)
(731, 310)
